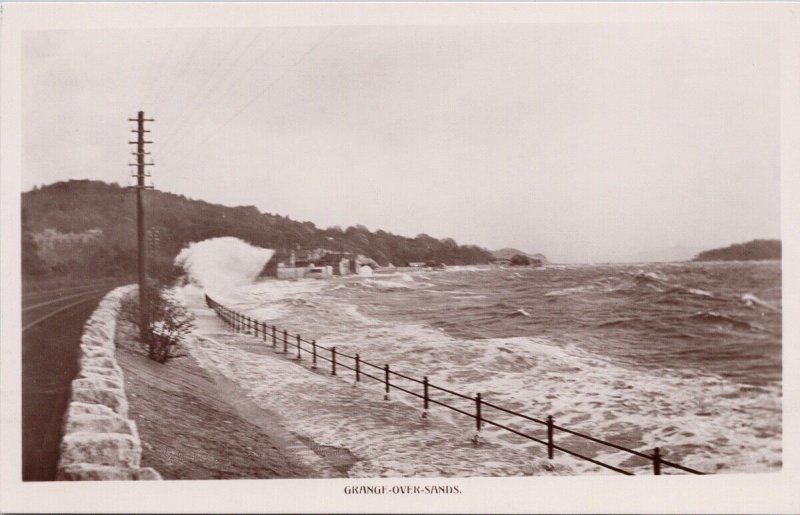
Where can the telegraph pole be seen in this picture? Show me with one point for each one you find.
(154, 245)
(140, 175)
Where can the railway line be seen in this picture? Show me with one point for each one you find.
(40, 306)
(52, 324)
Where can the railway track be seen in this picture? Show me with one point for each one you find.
(39, 307)
(52, 324)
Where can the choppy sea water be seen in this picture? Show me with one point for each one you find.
(685, 356)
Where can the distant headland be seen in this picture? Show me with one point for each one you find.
(755, 250)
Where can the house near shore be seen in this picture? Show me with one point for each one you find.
(338, 263)
(319, 263)
(306, 269)
(55, 247)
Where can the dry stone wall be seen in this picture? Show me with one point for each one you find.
(99, 441)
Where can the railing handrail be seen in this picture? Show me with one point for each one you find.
(238, 320)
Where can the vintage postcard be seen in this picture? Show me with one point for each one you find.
(400, 257)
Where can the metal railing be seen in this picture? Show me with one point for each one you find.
(472, 407)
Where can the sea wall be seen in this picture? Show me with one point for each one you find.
(99, 441)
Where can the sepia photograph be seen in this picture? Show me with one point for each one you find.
(412, 252)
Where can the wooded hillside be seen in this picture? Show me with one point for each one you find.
(80, 205)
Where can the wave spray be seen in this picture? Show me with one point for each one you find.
(221, 264)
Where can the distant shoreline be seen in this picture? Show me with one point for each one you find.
(755, 250)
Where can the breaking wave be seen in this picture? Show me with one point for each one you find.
(751, 301)
(712, 317)
(222, 264)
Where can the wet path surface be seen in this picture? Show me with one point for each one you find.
(196, 424)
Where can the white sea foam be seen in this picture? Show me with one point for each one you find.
(521, 312)
(221, 264)
(751, 300)
(702, 420)
(383, 284)
(388, 437)
(467, 268)
(569, 291)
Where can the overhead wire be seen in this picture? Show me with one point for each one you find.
(262, 92)
(228, 87)
(158, 74)
(210, 86)
(178, 51)
(189, 56)
(156, 78)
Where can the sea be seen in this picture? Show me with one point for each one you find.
(681, 356)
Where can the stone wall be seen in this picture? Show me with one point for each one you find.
(99, 441)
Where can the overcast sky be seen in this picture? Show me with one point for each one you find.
(596, 142)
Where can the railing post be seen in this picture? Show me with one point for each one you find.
(358, 368)
(386, 381)
(478, 412)
(333, 361)
(425, 397)
(314, 354)
(550, 436)
(264, 330)
(298, 346)
(657, 461)
(274, 337)
(285, 341)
